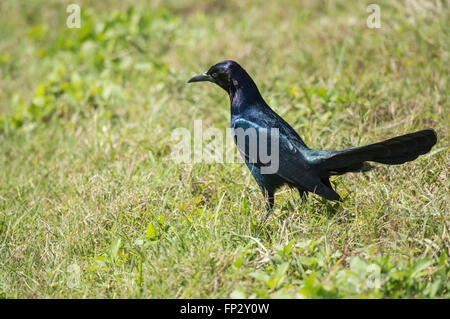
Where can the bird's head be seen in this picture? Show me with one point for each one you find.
(225, 74)
(231, 77)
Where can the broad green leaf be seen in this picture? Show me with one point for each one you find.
(420, 266)
(115, 246)
(151, 232)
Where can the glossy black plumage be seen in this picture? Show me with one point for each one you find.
(300, 167)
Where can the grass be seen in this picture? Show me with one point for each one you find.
(90, 207)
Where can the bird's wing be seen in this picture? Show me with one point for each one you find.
(276, 154)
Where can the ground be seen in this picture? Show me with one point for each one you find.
(91, 205)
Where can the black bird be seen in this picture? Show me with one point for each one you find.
(299, 166)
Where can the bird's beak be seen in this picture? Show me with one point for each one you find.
(200, 77)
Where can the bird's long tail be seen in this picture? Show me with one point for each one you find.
(393, 151)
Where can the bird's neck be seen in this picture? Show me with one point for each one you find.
(243, 94)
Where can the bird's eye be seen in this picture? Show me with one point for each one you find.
(214, 75)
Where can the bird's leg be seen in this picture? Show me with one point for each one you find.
(270, 200)
(303, 194)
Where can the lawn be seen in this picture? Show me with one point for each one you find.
(93, 206)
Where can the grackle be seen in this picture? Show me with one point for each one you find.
(300, 167)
